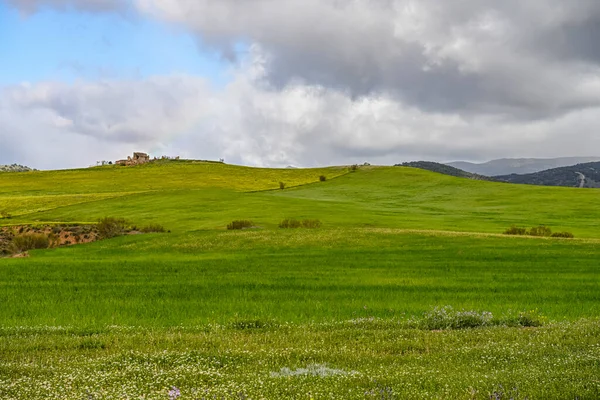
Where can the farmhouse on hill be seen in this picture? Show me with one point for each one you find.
(137, 159)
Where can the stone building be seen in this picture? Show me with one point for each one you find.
(137, 159)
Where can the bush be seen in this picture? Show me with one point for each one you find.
(110, 227)
(322, 178)
(32, 241)
(240, 224)
(531, 318)
(566, 235)
(354, 168)
(515, 230)
(311, 223)
(4, 214)
(448, 318)
(542, 231)
(281, 185)
(292, 223)
(153, 228)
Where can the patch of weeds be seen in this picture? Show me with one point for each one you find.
(292, 223)
(564, 235)
(531, 318)
(515, 230)
(447, 318)
(249, 324)
(318, 370)
(282, 185)
(240, 224)
(354, 168)
(153, 228)
(541, 231)
(5, 214)
(322, 178)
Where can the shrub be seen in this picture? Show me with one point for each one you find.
(541, 230)
(240, 224)
(531, 318)
(281, 185)
(566, 235)
(290, 223)
(448, 318)
(354, 168)
(110, 227)
(153, 228)
(4, 214)
(311, 223)
(32, 241)
(322, 178)
(515, 230)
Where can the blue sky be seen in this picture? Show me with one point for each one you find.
(59, 45)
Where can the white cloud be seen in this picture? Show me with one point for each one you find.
(253, 122)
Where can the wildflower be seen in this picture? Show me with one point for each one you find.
(174, 393)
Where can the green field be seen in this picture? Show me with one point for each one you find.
(353, 309)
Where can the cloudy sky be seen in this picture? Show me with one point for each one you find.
(298, 82)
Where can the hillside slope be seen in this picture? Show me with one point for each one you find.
(443, 169)
(387, 197)
(580, 175)
(507, 166)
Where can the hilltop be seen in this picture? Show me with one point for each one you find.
(443, 169)
(507, 166)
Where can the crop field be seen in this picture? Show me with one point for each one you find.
(408, 290)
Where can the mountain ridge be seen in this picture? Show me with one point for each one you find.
(508, 166)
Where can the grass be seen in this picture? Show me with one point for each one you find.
(351, 310)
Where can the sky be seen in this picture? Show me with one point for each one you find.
(306, 83)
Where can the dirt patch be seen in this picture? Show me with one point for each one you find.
(58, 236)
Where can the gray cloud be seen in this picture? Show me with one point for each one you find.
(533, 59)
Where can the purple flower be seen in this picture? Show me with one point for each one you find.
(174, 393)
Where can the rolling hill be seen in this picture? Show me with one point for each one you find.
(408, 290)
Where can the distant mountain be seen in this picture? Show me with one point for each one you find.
(442, 169)
(507, 166)
(580, 175)
(15, 168)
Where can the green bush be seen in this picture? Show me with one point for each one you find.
(153, 228)
(531, 318)
(240, 224)
(354, 168)
(311, 223)
(542, 231)
(566, 235)
(290, 223)
(110, 227)
(322, 178)
(30, 241)
(448, 318)
(515, 230)
(281, 185)
(4, 214)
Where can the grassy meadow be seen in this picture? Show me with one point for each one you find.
(408, 290)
